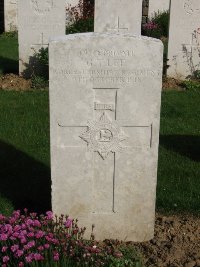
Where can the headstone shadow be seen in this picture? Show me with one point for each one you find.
(24, 181)
(186, 145)
(8, 65)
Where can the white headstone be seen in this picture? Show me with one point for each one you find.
(118, 16)
(105, 92)
(10, 15)
(38, 20)
(184, 38)
(158, 6)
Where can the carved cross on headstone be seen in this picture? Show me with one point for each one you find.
(106, 136)
(118, 28)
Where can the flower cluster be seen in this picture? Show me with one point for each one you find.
(150, 26)
(31, 240)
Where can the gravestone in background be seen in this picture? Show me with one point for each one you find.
(184, 38)
(10, 15)
(38, 20)
(156, 6)
(105, 93)
(118, 16)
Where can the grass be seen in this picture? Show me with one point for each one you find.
(8, 54)
(179, 154)
(24, 151)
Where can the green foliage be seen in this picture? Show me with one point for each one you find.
(158, 26)
(40, 75)
(197, 74)
(39, 82)
(191, 85)
(81, 25)
(162, 20)
(13, 34)
(43, 56)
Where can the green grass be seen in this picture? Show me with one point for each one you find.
(24, 152)
(179, 154)
(8, 54)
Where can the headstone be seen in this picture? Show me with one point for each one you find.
(10, 15)
(114, 16)
(38, 20)
(184, 39)
(158, 6)
(105, 93)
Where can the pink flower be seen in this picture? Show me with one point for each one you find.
(3, 237)
(19, 253)
(29, 258)
(40, 248)
(29, 222)
(49, 215)
(38, 257)
(23, 240)
(14, 248)
(2, 217)
(46, 246)
(17, 228)
(21, 264)
(68, 223)
(6, 259)
(29, 245)
(4, 249)
(56, 256)
(36, 223)
(39, 234)
(31, 234)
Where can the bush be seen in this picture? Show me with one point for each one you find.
(162, 20)
(40, 74)
(46, 240)
(158, 26)
(82, 17)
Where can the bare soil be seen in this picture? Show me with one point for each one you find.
(14, 82)
(176, 242)
(172, 84)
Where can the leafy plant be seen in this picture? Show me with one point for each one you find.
(158, 26)
(82, 17)
(47, 240)
(197, 74)
(191, 85)
(40, 75)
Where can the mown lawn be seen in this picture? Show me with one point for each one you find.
(8, 54)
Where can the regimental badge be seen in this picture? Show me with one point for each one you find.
(104, 136)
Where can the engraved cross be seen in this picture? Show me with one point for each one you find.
(118, 28)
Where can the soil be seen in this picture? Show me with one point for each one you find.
(14, 82)
(176, 242)
(172, 84)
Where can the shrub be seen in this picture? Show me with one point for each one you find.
(40, 73)
(191, 85)
(82, 17)
(158, 26)
(46, 240)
